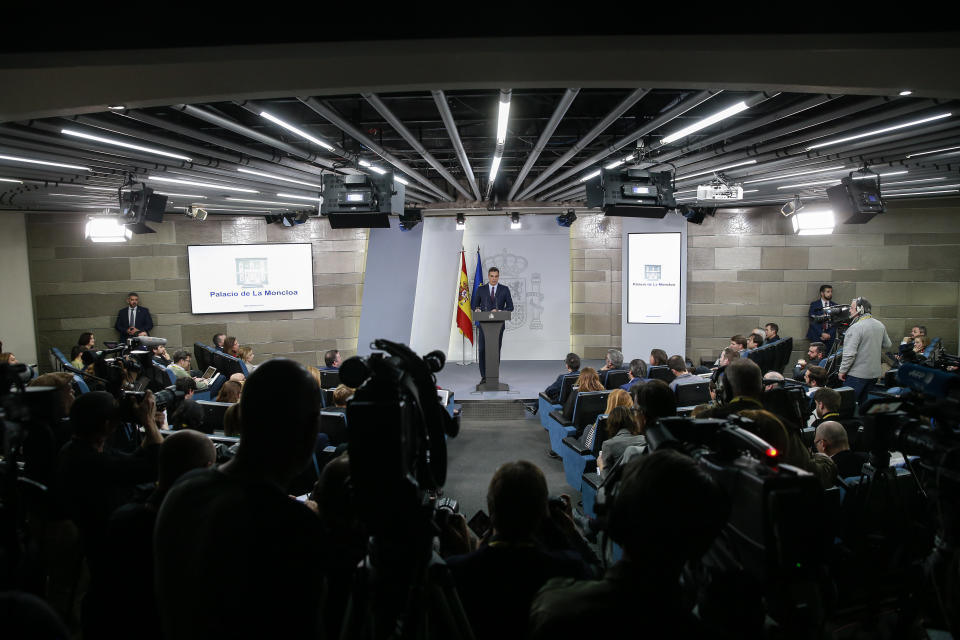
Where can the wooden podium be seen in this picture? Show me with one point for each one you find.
(490, 324)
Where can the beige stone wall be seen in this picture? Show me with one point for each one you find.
(79, 286)
(595, 290)
(746, 268)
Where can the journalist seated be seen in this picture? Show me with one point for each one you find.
(679, 369)
(236, 556)
(572, 362)
(499, 580)
(826, 406)
(831, 439)
(614, 361)
(667, 511)
(815, 378)
(623, 431)
(181, 369)
(816, 354)
(587, 381)
(651, 401)
(637, 373)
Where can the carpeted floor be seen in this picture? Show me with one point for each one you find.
(485, 442)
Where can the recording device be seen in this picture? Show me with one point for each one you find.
(719, 191)
(834, 313)
(480, 524)
(634, 193)
(771, 536)
(398, 460)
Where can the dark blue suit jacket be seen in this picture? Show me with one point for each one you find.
(816, 328)
(144, 321)
(553, 391)
(481, 298)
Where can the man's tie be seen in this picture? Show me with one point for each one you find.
(493, 298)
(133, 317)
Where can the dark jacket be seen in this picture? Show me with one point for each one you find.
(553, 391)
(143, 321)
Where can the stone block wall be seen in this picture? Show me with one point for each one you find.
(595, 289)
(747, 268)
(79, 286)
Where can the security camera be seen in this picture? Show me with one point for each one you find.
(196, 213)
(791, 207)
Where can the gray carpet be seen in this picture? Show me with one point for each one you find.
(485, 442)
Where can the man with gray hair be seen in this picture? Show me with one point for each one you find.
(614, 361)
(863, 347)
(831, 439)
(637, 373)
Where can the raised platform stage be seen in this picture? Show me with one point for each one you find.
(527, 378)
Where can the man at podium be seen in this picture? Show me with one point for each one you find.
(491, 297)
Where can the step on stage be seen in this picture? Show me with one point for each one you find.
(527, 378)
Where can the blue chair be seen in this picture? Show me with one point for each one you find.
(546, 405)
(615, 378)
(171, 375)
(61, 359)
(587, 407)
(929, 351)
(588, 493)
(580, 456)
(81, 384)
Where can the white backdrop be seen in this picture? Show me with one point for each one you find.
(534, 262)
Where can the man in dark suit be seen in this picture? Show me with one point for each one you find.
(831, 439)
(820, 331)
(491, 296)
(133, 318)
(573, 366)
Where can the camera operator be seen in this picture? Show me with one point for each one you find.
(743, 391)
(499, 580)
(92, 478)
(666, 511)
(863, 347)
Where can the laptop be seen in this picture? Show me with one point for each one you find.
(209, 373)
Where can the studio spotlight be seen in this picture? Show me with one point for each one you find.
(567, 219)
(410, 218)
(196, 213)
(791, 207)
(107, 229)
(514, 220)
(461, 222)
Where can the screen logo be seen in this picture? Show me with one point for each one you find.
(651, 272)
(252, 272)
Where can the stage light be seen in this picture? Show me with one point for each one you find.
(706, 122)
(107, 229)
(792, 207)
(461, 222)
(876, 132)
(514, 220)
(567, 219)
(126, 145)
(44, 162)
(273, 176)
(196, 213)
(206, 185)
(811, 223)
(299, 132)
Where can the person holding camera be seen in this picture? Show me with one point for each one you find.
(822, 331)
(863, 347)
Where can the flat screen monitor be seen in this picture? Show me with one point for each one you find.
(654, 278)
(244, 278)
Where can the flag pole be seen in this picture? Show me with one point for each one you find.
(463, 338)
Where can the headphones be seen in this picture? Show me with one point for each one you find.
(722, 386)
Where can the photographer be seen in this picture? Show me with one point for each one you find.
(666, 511)
(94, 479)
(863, 347)
(498, 581)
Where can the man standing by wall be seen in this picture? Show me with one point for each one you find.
(863, 347)
(823, 332)
(133, 318)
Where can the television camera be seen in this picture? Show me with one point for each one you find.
(127, 371)
(398, 463)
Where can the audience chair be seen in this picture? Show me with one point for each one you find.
(213, 415)
(80, 384)
(589, 485)
(61, 360)
(334, 425)
(690, 395)
(580, 455)
(616, 379)
(661, 372)
(201, 356)
(546, 405)
(589, 405)
(784, 351)
(329, 379)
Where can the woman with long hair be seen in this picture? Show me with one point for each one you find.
(587, 381)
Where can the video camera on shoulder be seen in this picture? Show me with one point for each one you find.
(398, 427)
(834, 313)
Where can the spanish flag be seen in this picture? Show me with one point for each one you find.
(464, 315)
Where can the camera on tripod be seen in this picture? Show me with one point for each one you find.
(835, 313)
